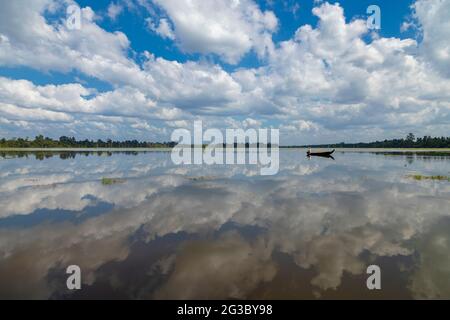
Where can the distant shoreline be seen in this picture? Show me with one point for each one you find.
(367, 149)
(69, 149)
(65, 143)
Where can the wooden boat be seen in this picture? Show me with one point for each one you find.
(321, 154)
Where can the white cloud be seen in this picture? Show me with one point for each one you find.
(44, 46)
(64, 98)
(249, 122)
(229, 31)
(114, 10)
(406, 26)
(192, 85)
(164, 29)
(73, 99)
(434, 19)
(16, 113)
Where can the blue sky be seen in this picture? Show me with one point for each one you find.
(142, 68)
(133, 24)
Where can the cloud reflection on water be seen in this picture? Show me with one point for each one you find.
(221, 235)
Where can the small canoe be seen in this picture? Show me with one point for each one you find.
(321, 154)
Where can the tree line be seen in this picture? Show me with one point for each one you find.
(409, 142)
(70, 142)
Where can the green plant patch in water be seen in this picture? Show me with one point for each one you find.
(111, 181)
(420, 177)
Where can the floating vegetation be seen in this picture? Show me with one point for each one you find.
(111, 181)
(420, 177)
(201, 178)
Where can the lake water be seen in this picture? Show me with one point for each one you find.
(154, 230)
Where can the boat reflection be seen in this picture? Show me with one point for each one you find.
(321, 156)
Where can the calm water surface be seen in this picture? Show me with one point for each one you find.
(163, 231)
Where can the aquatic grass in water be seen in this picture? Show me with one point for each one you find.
(111, 181)
(420, 177)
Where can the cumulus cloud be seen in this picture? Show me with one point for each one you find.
(228, 29)
(434, 20)
(67, 100)
(45, 46)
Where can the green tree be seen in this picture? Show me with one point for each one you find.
(410, 137)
